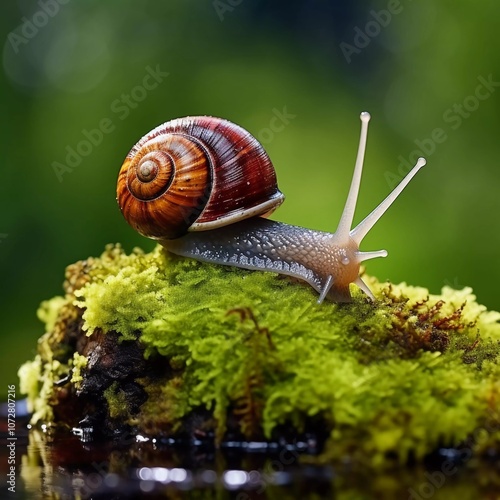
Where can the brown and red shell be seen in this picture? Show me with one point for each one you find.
(193, 174)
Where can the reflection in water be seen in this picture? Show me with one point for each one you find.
(61, 465)
(67, 464)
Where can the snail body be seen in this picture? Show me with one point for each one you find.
(203, 186)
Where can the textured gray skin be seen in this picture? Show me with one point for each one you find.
(266, 245)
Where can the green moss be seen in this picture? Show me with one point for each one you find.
(78, 364)
(117, 401)
(29, 381)
(167, 399)
(37, 380)
(398, 377)
(49, 311)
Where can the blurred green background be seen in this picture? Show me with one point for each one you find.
(416, 66)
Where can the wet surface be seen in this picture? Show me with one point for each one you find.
(69, 464)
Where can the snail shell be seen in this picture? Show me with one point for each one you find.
(194, 174)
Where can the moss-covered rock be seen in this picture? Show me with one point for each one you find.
(169, 346)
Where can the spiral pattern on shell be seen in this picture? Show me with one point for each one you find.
(194, 174)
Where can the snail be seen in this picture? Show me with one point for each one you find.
(203, 187)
